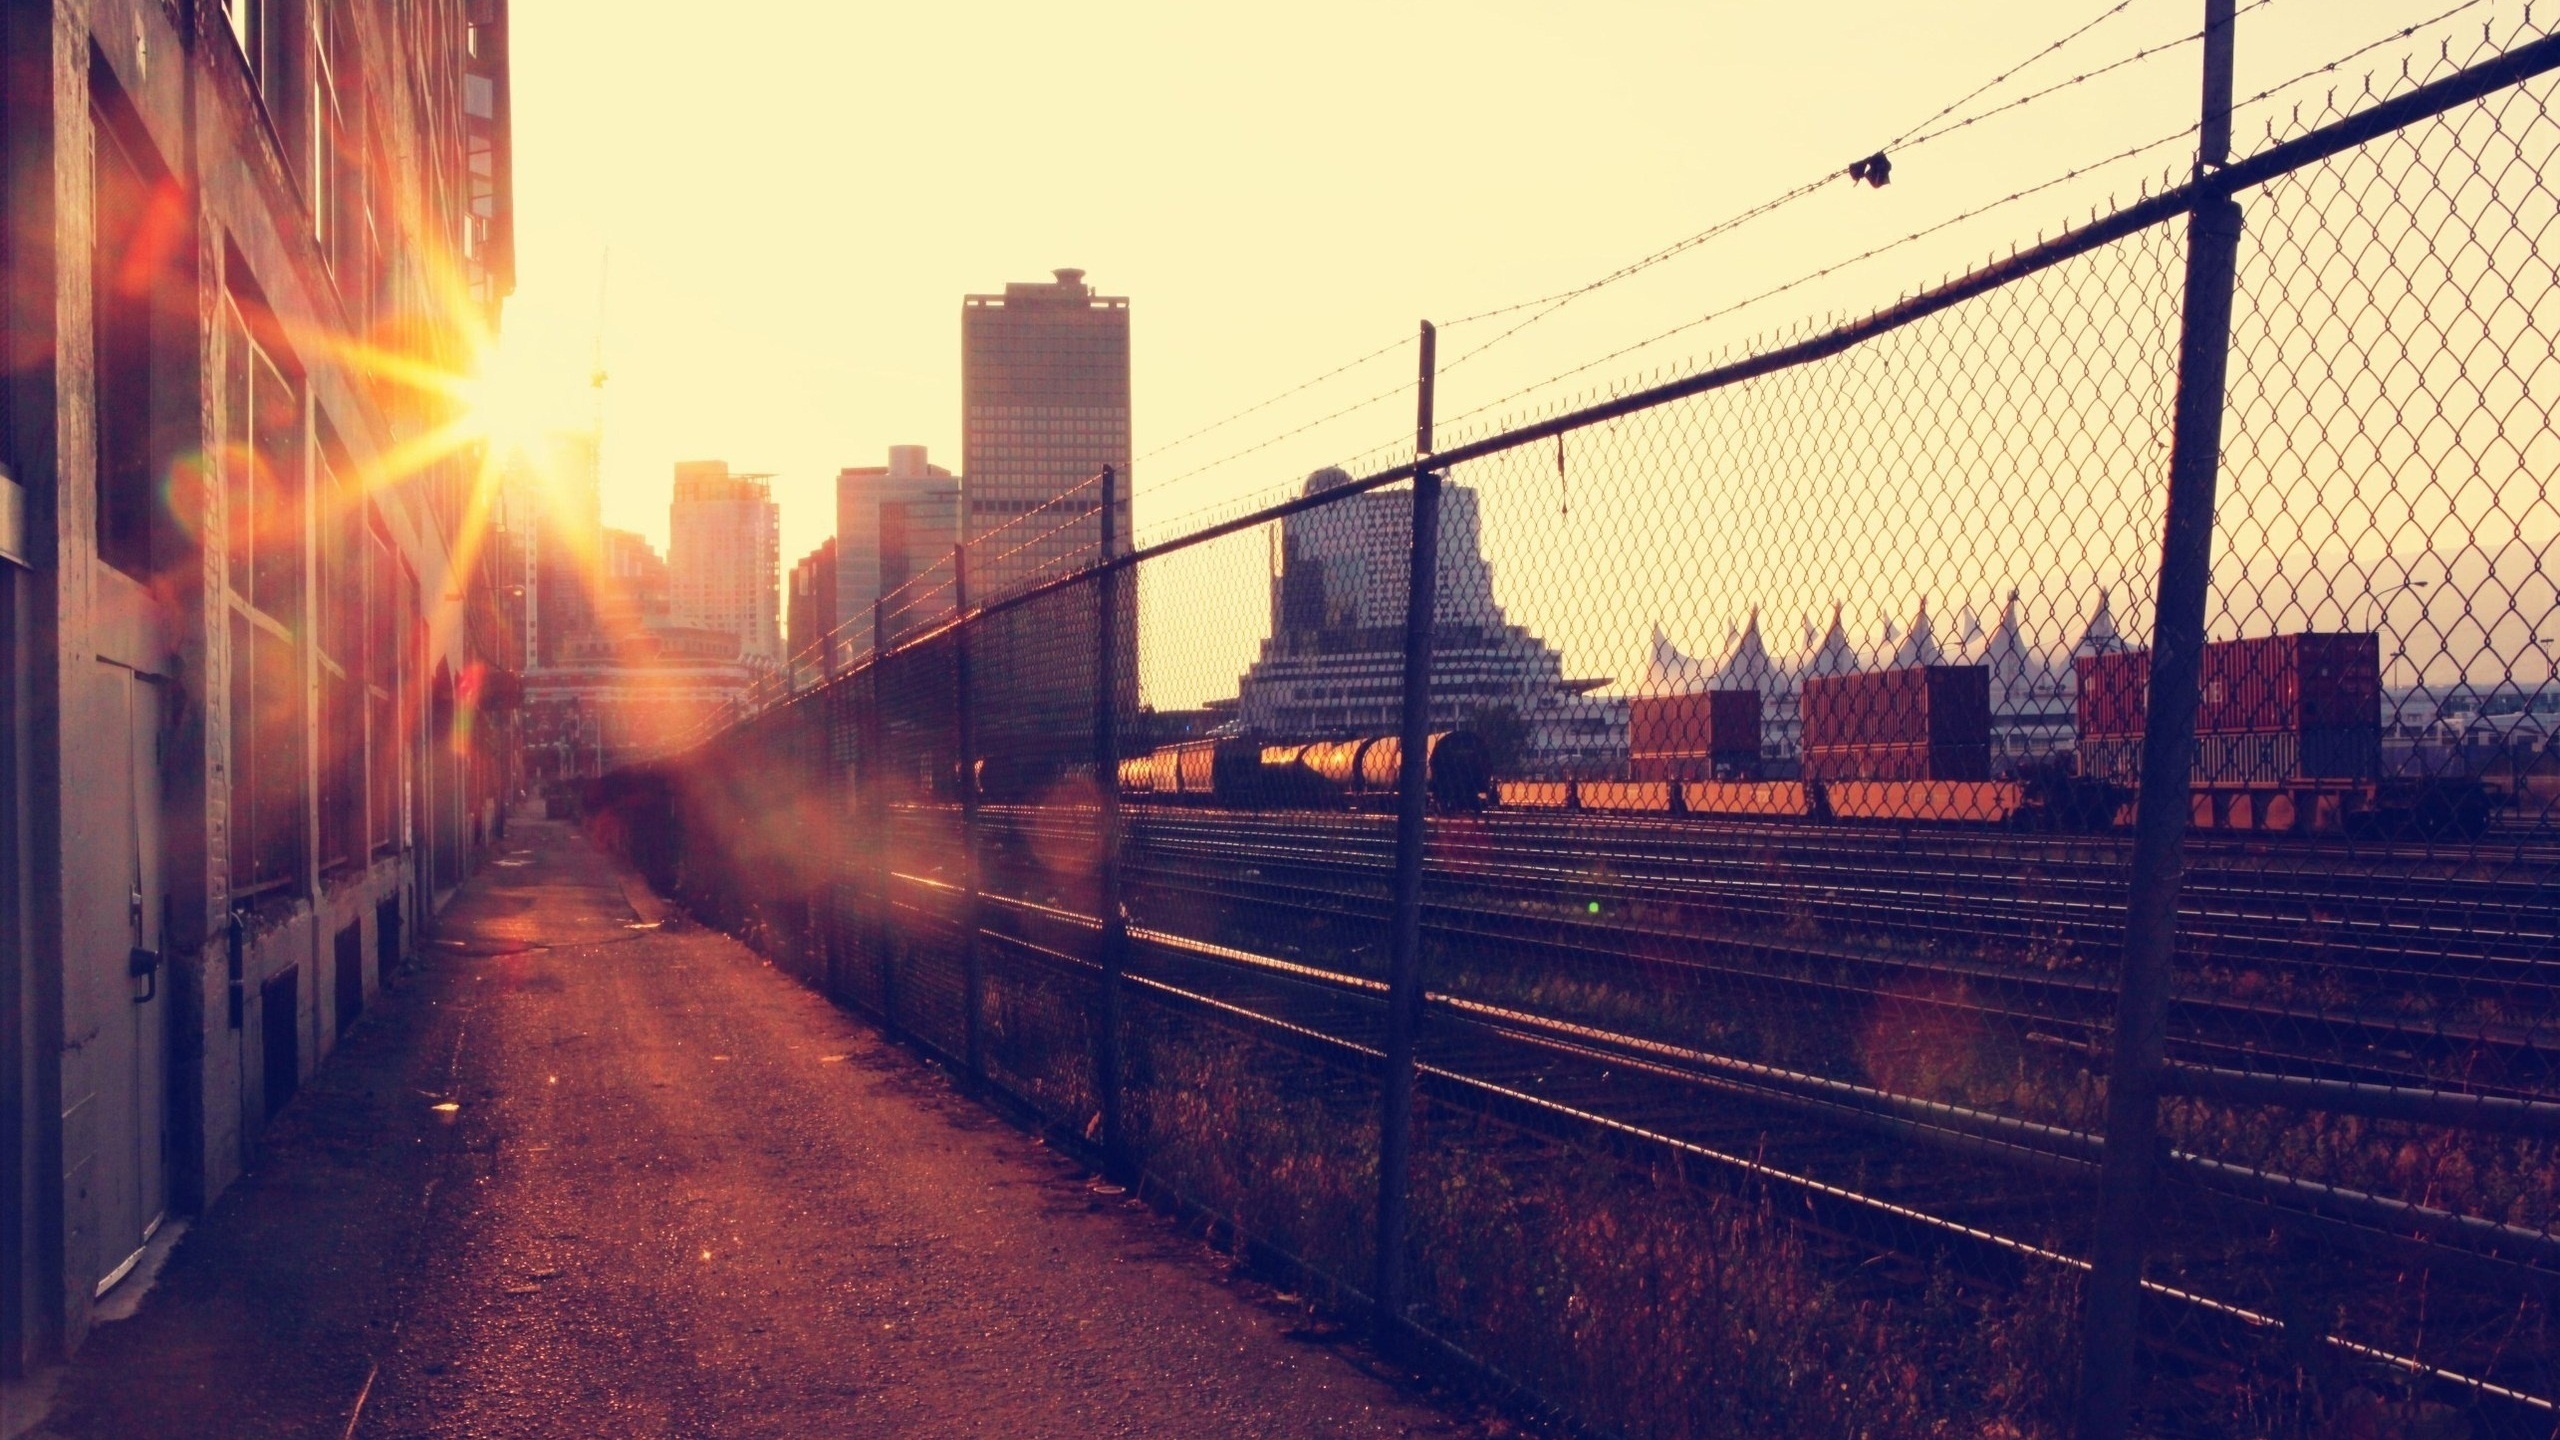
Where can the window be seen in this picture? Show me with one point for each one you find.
(338, 560)
(263, 494)
(386, 594)
(140, 230)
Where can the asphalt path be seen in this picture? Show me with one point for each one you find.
(589, 1170)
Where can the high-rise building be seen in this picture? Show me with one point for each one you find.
(551, 497)
(896, 525)
(809, 611)
(633, 594)
(1044, 393)
(724, 557)
(1334, 664)
(1044, 407)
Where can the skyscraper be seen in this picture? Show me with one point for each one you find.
(1045, 406)
(1044, 395)
(895, 527)
(724, 557)
(809, 616)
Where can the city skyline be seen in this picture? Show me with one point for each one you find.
(838, 344)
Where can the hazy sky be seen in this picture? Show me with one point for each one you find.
(796, 195)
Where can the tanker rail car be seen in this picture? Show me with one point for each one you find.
(1258, 775)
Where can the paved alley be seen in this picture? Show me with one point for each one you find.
(592, 1171)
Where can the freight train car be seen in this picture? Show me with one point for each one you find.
(1263, 775)
(2288, 738)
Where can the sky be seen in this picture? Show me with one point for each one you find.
(766, 213)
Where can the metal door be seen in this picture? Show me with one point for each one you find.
(131, 1177)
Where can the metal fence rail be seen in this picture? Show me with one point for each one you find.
(1991, 870)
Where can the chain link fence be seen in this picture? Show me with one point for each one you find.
(1720, 939)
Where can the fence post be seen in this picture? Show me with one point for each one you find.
(1404, 966)
(875, 751)
(2111, 1334)
(1113, 942)
(964, 724)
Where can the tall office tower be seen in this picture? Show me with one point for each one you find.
(724, 557)
(1044, 406)
(1044, 393)
(809, 614)
(895, 527)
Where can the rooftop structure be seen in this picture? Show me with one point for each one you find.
(1334, 664)
(724, 557)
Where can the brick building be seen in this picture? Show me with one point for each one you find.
(255, 660)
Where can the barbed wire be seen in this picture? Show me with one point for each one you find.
(1825, 272)
(1925, 132)
(1349, 365)
(1976, 212)
(1549, 303)
(1996, 81)
(1918, 139)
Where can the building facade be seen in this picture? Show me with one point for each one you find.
(1044, 395)
(1044, 408)
(255, 669)
(549, 500)
(724, 557)
(636, 594)
(1334, 663)
(896, 526)
(809, 611)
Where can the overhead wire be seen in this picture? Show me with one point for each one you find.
(1935, 127)
(1923, 136)
(1906, 140)
(2066, 177)
(1546, 305)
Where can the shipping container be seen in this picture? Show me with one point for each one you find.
(1920, 761)
(2291, 682)
(1926, 705)
(1720, 723)
(2298, 682)
(2112, 691)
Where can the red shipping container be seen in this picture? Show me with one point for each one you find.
(2258, 686)
(2113, 689)
(1945, 706)
(2291, 682)
(1716, 722)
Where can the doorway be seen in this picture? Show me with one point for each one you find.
(126, 1067)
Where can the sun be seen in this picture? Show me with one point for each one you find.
(508, 403)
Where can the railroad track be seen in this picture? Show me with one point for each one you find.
(2440, 934)
(1893, 1171)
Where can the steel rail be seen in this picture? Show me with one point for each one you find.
(2241, 1181)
